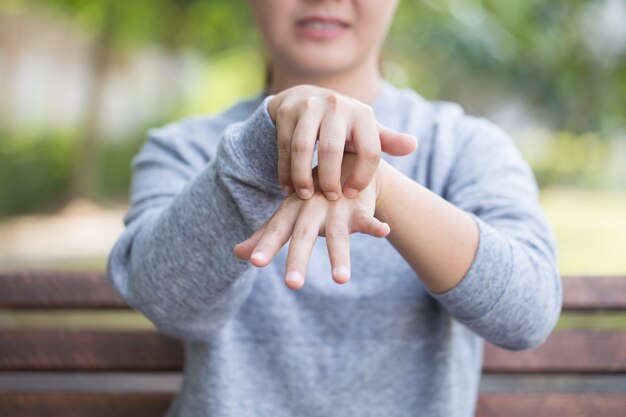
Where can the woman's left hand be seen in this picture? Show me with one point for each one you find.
(303, 221)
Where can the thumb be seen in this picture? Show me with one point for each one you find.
(368, 224)
(396, 143)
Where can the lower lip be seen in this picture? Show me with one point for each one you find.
(320, 34)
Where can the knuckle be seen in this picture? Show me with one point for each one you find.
(283, 150)
(360, 179)
(330, 147)
(362, 219)
(301, 177)
(306, 103)
(337, 232)
(371, 153)
(301, 144)
(333, 101)
(284, 111)
(273, 229)
(304, 232)
(300, 182)
(331, 187)
(365, 111)
(359, 182)
(329, 178)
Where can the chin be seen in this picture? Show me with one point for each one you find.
(322, 64)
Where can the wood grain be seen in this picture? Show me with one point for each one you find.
(152, 405)
(551, 405)
(74, 350)
(92, 290)
(588, 293)
(582, 351)
(57, 290)
(84, 405)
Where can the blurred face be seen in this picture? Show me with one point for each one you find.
(323, 36)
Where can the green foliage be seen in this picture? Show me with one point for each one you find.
(113, 168)
(571, 159)
(205, 25)
(590, 229)
(34, 174)
(535, 51)
(539, 50)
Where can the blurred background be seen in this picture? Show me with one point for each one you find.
(81, 81)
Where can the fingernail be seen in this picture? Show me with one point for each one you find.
(341, 272)
(294, 277)
(305, 193)
(258, 256)
(350, 192)
(331, 195)
(287, 189)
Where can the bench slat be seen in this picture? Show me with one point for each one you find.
(170, 382)
(587, 293)
(583, 351)
(551, 405)
(152, 405)
(564, 351)
(84, 405)
(61, 289)
(88, 350)
(92, 290)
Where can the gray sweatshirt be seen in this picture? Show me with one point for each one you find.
(381, 345)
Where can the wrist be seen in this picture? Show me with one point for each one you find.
(383, 177)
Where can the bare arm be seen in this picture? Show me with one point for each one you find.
(485, 252)
(436, 238)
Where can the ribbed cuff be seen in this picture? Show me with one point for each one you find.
(486, 280)
(253, 144)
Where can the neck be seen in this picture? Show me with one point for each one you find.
(362, 83)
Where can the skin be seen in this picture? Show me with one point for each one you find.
(303, 220)
(303, 114)
(321, 88)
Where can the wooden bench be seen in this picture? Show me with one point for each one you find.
(113, 369)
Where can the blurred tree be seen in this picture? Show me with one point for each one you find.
(115, 26)
(566, 57)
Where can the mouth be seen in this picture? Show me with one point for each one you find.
(321, 28)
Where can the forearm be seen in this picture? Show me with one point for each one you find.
(436, 238)
(496, 275)
(174, 261)
(185, 277)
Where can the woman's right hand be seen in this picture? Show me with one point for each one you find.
(304, 113)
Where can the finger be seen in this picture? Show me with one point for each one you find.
(276, 233)
(303, 146)
(366, 142)
(305, 232)
(396, 143)
(285, 124)
(330, 150)
(243, 250)
(363, 222)
(338, 243)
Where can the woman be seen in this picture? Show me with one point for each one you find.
(453, 247)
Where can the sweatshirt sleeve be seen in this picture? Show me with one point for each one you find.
(512, 293)
(174, 262)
